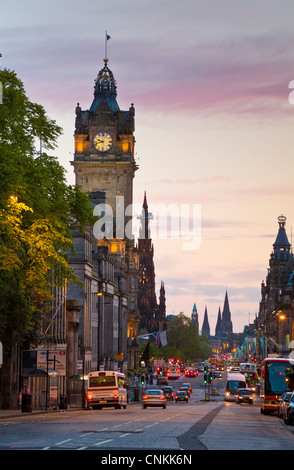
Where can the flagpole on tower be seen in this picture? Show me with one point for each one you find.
(106, 39)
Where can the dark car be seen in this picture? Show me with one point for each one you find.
(187, 385)
(168, 392)
(289, 410)
(162, 380)
(284, 404)
(185, 389)
(218, 375)
(279, 405)
(244, 395)
(181, 395)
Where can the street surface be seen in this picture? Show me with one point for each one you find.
(181, 427)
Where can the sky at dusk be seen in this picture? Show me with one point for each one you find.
(214, 125)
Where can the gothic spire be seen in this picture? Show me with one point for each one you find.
(205, 326)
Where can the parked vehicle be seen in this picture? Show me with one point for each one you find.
(284, 404)
(289, 410)
(279, 405)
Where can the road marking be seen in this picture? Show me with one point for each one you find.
(124, 435)
(86, 434)
(103, 442)
(63, 442)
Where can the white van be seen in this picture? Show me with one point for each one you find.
(234, 381)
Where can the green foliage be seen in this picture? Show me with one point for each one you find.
(38, 210)
(183, 340)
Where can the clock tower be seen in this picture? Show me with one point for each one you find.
(105, 167)
(104, 144)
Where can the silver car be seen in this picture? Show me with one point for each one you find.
(154, 397)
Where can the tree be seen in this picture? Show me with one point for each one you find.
(38, 210)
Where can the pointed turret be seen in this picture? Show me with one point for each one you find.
(218, 328)
(205, 327)
(281, 245)
(105, 90)
(227, 326)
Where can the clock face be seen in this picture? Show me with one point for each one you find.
(102, 142)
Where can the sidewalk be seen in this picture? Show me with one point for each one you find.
(4, 414)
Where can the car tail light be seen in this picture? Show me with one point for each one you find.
(90, 396)
(162, 398)
(144, 397)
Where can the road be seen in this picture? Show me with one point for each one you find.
(181, 427)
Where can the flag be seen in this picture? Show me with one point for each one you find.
(163, 338)
(156, 338)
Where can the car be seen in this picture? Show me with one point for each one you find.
(187, 385)
(289, 410)
(188, 372)
(244, 395)
(181, 395)
(218, 375)
(154, 397)
(279, 404)
(185, 389)
(168, 392)
(284, 404)
(162, 380)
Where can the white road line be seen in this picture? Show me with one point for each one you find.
(103, 442)
(124, 435)
(63, 442)
(87, 434)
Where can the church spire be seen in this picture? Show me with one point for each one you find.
(144, 231)
(218, 328)
(205, 326)
(227, 326)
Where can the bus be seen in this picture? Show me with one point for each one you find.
(107, 388)
(249, 370)
(173, 371)
(233, 382)
(277, 376)
(220, 365)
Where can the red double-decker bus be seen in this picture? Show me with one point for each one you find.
(277, 375)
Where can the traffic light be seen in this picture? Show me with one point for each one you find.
(205, 378)
(142, 379)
